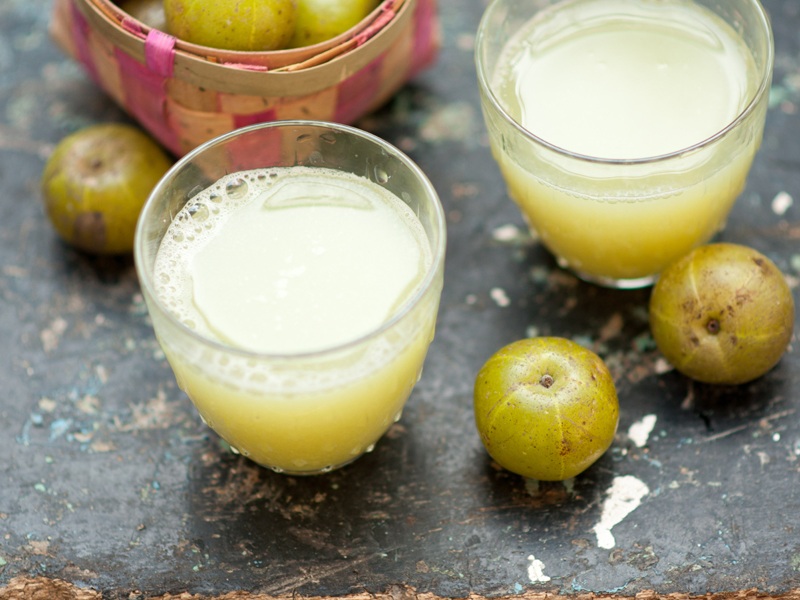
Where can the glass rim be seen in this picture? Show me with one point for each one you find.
(763, 88)
(145, 271)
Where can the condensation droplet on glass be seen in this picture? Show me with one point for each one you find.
(381, 176)
(237, 188)
(180, 382)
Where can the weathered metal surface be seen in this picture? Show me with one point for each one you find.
(110, 482)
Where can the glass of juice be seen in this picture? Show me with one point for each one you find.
(624, 129)
(293, 272)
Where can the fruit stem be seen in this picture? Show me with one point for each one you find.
(547, 380)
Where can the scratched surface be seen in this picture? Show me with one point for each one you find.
(109, 480)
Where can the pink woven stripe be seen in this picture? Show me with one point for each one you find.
(80, 35)
(132, 25)
(254, 151)
(425, 36)
(253, 118)
(146, 98)
(387, 14)
(357, 92)
(159, 52)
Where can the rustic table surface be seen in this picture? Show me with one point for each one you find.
(110, 482)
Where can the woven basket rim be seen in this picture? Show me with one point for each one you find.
(318, 73)
(290, 59)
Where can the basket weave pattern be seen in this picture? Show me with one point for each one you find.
(185, 95)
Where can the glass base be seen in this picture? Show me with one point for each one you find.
(609, 282)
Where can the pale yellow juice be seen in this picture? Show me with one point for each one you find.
(625, 82)
(303, 271)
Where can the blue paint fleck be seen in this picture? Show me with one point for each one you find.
(59, 427)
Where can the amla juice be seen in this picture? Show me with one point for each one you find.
(610, 89)
(290, 263)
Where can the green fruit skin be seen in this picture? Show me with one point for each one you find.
(545, 433)
(95, 183)
(321, 20)
(732, 285)
(242, 25)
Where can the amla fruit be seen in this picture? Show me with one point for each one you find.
(722, 314)
(545, 408)
(95, 183)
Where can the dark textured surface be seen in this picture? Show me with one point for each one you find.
(109, 480)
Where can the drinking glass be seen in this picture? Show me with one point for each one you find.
(619, 221)
(309, 412)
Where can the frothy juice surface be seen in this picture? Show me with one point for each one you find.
(292, 261)
(626, 79)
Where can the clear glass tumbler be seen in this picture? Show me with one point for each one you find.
(304, 412)
(619, 217)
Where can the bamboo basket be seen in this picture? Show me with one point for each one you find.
(185, 94)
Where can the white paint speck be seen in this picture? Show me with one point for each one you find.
(506, 233)
(500, 297)
(623, 497)
(662, 366)
(781, 203)
(536, 570)
(640, 431)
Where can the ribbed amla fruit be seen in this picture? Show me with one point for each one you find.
(546, 408)
(95, 183)
(321, 20)
(243, 25)
(722, 314)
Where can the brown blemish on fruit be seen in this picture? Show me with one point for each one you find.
(89, 230)
(565, 448)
